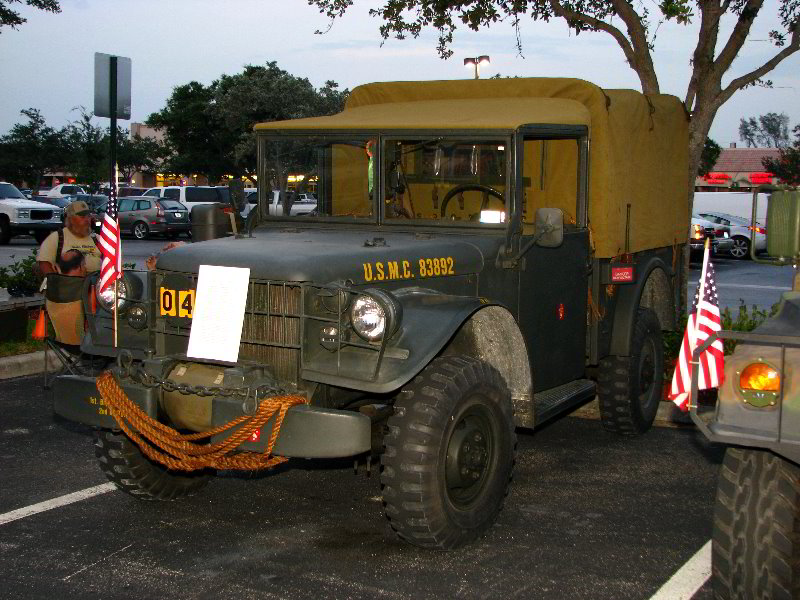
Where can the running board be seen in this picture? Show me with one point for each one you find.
(549, 403)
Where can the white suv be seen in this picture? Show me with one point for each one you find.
(191, 195)
(20, 216)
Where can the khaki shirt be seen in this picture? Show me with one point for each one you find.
(47, 251)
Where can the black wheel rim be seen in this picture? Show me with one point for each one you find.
(470, 454)
(647, 374)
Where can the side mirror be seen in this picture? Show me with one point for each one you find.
(549, 227)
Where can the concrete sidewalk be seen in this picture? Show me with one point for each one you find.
(23, 364)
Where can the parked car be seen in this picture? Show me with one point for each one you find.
(143, 216)
(304, 204)
(191, 195)
(718, 234)
(64, 189)
(124, 192)
(27, 192)
(741, 233)
(20, 216)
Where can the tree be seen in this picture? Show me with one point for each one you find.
(209, 129)
(138, 154)
(11, 18)
(31, 149)
(770, 131)
(88, 150)
(711, 60)
(711, 152)
(787, 165)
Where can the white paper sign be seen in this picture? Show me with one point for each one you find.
(218, 313)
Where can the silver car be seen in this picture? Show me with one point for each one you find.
(741, 232)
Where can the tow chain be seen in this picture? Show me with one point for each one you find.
(249, 394)
(165, 445)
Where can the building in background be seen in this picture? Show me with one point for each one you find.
(738, 169)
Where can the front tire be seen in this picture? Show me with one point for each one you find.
(449, 453)
(741, 248)
(755, 550)
(629, 387)
(5, 230)
(141, 230)
(133, 473)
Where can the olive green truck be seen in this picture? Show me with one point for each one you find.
(756, 539)
(483, 256)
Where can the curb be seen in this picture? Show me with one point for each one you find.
(23, 364)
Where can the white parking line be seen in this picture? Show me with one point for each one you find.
(34, 509)
(689, 578)
(751, 286)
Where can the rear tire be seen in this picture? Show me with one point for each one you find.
(140, 230)
(629, 387)
(756, 539)
(449, 453)
(741, 248)
(40, 236)
(133, 473)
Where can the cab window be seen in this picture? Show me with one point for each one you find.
(549, 179)
(446, 180)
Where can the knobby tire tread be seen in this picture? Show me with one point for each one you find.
(412, 498)
(126, 467)
(756, 538)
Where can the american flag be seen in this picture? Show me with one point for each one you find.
(110, 244)
(704, 320)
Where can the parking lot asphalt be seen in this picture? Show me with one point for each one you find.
(589, 515)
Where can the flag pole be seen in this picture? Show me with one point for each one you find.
(112, 82)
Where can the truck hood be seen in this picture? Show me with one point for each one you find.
(25, 203)
(324, 255)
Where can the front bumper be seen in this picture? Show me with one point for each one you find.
(18, 228)
(306, 432)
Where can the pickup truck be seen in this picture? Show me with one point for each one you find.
(302, 205)
(19, 215)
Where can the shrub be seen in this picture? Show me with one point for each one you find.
(21, 278)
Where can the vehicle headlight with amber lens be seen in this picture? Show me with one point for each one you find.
(374, 315)
(759, 377)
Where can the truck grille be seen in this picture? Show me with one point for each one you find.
(271, 330)
(41, 215)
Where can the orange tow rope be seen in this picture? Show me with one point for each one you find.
(174, 450)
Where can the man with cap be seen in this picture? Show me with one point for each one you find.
(74, 236)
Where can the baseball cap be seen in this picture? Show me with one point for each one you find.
(77, 207)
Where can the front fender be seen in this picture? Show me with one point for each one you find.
(430, 319)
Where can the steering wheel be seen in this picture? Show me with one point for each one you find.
(472, 187)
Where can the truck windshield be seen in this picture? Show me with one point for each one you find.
(445, 180)
(318, 177)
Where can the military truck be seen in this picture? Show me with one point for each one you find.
(484, 255)
(756, 539)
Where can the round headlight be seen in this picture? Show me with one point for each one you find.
(375, 314)
(137, 317)
(106, 297)
(368, 318)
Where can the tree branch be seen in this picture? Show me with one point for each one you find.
(756, 74)
(571, 15)
(738, 36)
(641, 48)
(702, 58)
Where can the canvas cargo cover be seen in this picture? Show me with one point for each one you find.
(638, 144)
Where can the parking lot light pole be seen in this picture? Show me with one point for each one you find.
(476, 61)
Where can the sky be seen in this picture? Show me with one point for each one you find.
(48, 62)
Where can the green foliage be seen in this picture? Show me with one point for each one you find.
(8, 348)
(138, 154)
(30, 149)
(787, 165)
(711, 152)
(744, 320)
(89, 150)
(21, 279)
(209, 129)
(770, 131)
(11, 18)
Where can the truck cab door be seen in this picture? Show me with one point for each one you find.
(553, 282)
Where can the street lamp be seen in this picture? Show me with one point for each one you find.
(476, 61)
